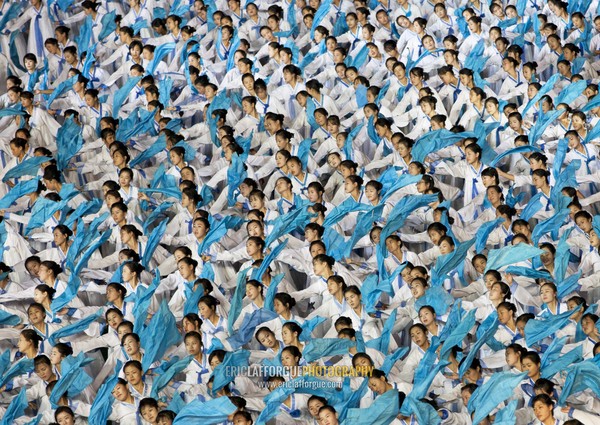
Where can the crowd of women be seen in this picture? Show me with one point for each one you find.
(299, 212)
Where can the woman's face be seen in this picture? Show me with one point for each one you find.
(44, 273)
(114, 320)
(352, 299)
(288, 360)
(377, 385)
(133, 375)
(542, 411)
(426, 317)
(446, 248)
(494, 196)
(538, 181)
(333, 287)
(199, 229)
(547, 294)
(55, 356)
(175, 158)
(186, 270)
(496, 293)
(193, 346)
(313, 408)
(112, 294)
(547, 257)
(131, 346)
(267, 339)
(392, 245)
(512, 358)
(117, 215)
(288, 336)
(252, 292)
(531, 368)
(418, 337)
(205, 311)
(126, 237)
(39, 296)
(504, 315)
(588, 326)
(36, 316)
(371, 193)
(417, 289)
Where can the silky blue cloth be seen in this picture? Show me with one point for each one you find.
(153, 242)
(323, 347)
(15, 409)
(383, 411)
(248, 327)
(511, 254)
(498, 389)
(580, 377)
(123, 93)
(162, 380)
(160, 335)
(21, 367)
(74, 328)
(20, 189)
(538, 329)
(227, 371)
(445, 264)
(103, 403)
(237, 299)
(73, 378)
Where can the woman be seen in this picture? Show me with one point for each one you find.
(267, 339)
(27, 348)
(361, 321)
(428, 318)
(397, 255)
(507, 332)
(199, 370)
(333, 306)
(131, 276)
(115, 297)
(291, 360)
(531, 364)
(254, 293)
(213, 325)
(178, 304)
(48, 274)
(62, 241)
(552, 306)
(588, 325)
(418, 336)
(291, 332)
(36, 314)
(140, 384)
(282, 305)
(543, 408)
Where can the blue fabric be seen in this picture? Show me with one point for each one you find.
(445, 264)
(20, 368)
(436, 297)
(324, 347)
(511, 254)
(108, 25)
(498, 389)
(269, 258)
(158, 212)
(142, 303)
(42, 210)
(162, 380)
(9, 319)
(225, 373)
(287, 223)
(580, 377)
(322, 11)
(342, 210)
(218, 231)
(528, 272)
(569, 285)
(538, 329)
(400, 213)
(74, 328)
(159, 145)
(308, 326)
(203, 412)
(458, 334)
(20, 189)
(83, 209)
(159, 336)
(433, 141)
(544, 90)
(382, 343)
(506, 416)
(237, 299)
(553, 361)
(153, 242)
(103, 403)
(248, 327)
(73, 379)
(69, 141)
(236, 174)
(15, 409)
(122, 94)
(424, 412)
(61, 89)
(548, 225)
(520, 149)
(486, 331)
(383, 411)
(160, 52)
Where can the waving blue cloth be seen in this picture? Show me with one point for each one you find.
(382, 343)
(560, 361)
(73, 379)
(15, 409)
(249, 325)
(486, 331)
(42, 210)
(159, 336)
(103, 403)
(458, 334)
(9, 319)
(74, 328)
(498, 389)
(324, 347)
(21, 367)
(270, 257)
(163, 379)
(20, 189)
(511, 254)
(108, 25)
(446, 263)
(142, 303)
(123, 93)
(538, 329)
(224, 373)
(581, 376)
(383, 411)
(153, 241)
(237, 299)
